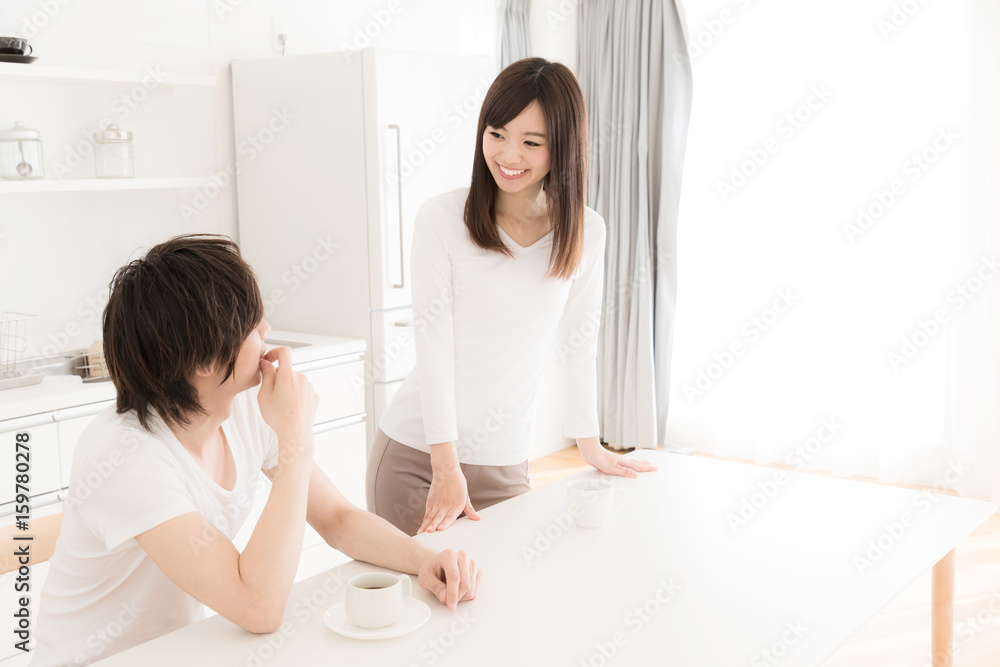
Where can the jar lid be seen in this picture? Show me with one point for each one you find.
(112, 133)
(20, 133)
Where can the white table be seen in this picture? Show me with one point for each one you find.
(667, 582)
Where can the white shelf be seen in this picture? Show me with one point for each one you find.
(52, 74)
(97, 184)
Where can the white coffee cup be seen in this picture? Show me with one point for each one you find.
(590, 501)
(375, 599)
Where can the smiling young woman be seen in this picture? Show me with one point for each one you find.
(501, 272)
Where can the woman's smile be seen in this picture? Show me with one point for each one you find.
(511, 174)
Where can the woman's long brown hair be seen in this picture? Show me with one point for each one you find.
(558, 94)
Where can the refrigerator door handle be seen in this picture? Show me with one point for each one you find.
(399, 197)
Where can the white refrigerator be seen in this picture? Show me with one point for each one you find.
(335, 154)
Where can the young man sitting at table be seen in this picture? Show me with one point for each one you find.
(146, 542)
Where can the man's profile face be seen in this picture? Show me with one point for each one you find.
(246, 373)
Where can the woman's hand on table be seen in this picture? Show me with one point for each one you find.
(447, 499)
(451, 576)
(609, 462)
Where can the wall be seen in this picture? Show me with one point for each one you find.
(552, 26)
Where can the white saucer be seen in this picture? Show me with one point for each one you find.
(415, 614)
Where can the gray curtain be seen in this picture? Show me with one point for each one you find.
(636, 79)
(512, 30)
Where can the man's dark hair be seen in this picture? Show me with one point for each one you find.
(189, 304)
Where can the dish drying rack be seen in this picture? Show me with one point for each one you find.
(13, 341)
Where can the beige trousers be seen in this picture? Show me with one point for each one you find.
(398, 480)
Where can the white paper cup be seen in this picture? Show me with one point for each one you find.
(375, 599)
(591, 500)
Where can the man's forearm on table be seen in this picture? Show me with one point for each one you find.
(366, 537)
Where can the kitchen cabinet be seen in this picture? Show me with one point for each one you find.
(42, 459)
(339, 385)
(394, 336)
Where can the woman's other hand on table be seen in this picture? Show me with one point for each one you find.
(609, 462)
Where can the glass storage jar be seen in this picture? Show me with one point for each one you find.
(113, 153)
(21, 153)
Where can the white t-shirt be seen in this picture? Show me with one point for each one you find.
(485, 324)
(103, 593)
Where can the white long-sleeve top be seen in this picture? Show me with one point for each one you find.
(485, 324)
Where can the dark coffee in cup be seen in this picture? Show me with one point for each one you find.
(17, 46)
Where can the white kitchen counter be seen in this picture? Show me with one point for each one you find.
(57, 392)
(312, 347)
